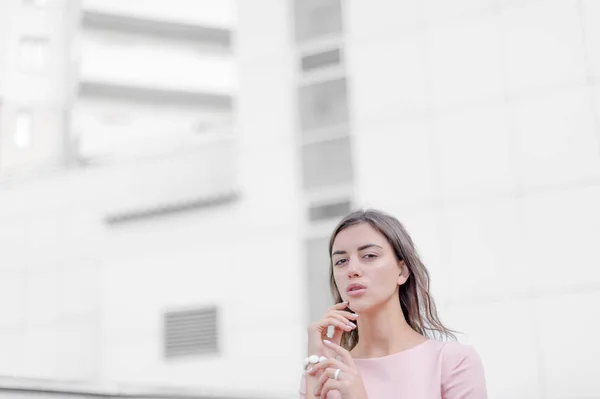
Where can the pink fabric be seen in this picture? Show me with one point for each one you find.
(431, 370)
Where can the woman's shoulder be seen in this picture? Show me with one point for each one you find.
(454, 354)
(457, 350)
(463, 374)
(461, 364)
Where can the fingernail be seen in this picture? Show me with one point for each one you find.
(351, 324)
(322, 359)
(327, 342)
(309, 370)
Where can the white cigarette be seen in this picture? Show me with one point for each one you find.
(330, 331)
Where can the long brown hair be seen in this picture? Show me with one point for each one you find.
(416, 302)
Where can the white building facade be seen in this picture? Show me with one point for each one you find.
(172, 203)
(119, 169)
(477, 125)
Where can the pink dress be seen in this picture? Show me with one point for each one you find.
(431, 370)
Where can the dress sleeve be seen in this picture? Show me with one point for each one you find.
(462, 373)
(302, 390)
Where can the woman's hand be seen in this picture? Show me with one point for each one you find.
(337, 317)
(340, 375)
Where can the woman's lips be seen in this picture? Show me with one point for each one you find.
(356, 289)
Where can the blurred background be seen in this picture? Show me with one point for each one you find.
(170, 172)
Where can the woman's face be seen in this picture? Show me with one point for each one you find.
(365, 268)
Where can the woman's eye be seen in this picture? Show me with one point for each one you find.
(339, 262)
(369, 256)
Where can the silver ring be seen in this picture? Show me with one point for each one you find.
(336, 374)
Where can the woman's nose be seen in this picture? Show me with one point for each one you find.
(354, 267)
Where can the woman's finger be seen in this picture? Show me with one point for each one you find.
(342, 325)
(340, 317)
(320, 383)
(328, 363)
(345, 355)
(339, 306)
(329, 385)
(348, 315)
(327, 374)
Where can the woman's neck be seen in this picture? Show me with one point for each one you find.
(384, 331)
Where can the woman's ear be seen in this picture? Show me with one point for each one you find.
(404, 273)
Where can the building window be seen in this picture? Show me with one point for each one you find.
(317, 18)
(23, 130)
(33, 54)
(329, 211)
(327, 163)
(323, 104)
(321, 60)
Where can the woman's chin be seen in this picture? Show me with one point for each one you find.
(358, 306)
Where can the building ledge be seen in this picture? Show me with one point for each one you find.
(155, 94)
(172, 208)
(107, 389)
(219, 37)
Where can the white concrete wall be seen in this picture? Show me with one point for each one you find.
(269, 324)
(477, 125)
(63, 269)
(138, 60)
(75, 290)
(245, 258)
(43, 93)
(114, 129)
(4, 36)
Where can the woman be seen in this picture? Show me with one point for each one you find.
(381, 289)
